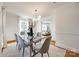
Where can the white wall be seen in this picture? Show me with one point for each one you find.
(11, 26)
(67, 24)
(0, 19)
(0, 28)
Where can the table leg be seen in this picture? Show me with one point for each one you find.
(31, 47)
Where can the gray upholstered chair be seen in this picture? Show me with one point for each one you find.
(16, 39)
(21, 43)
(44, 48)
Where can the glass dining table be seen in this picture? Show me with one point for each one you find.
(32, 40)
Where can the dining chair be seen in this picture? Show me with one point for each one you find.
(21, 44)
(16, 39)
(44, 48)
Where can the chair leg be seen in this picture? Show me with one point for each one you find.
(48, 53)
(41, 54)
(34, 54)
(23, 52)
(33, 51)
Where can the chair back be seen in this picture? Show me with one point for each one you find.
(21, 42)
(16, 37)
(45, 46)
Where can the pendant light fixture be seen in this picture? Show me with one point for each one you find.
(36, 16)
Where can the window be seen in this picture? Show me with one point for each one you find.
(23, 25)
(45, 27)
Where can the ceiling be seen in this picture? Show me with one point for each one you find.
(28, 8)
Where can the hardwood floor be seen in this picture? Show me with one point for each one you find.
(53, 42)
(67, 53)
(11, 41)
(71, 54)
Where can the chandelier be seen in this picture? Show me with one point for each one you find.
(36, 16)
